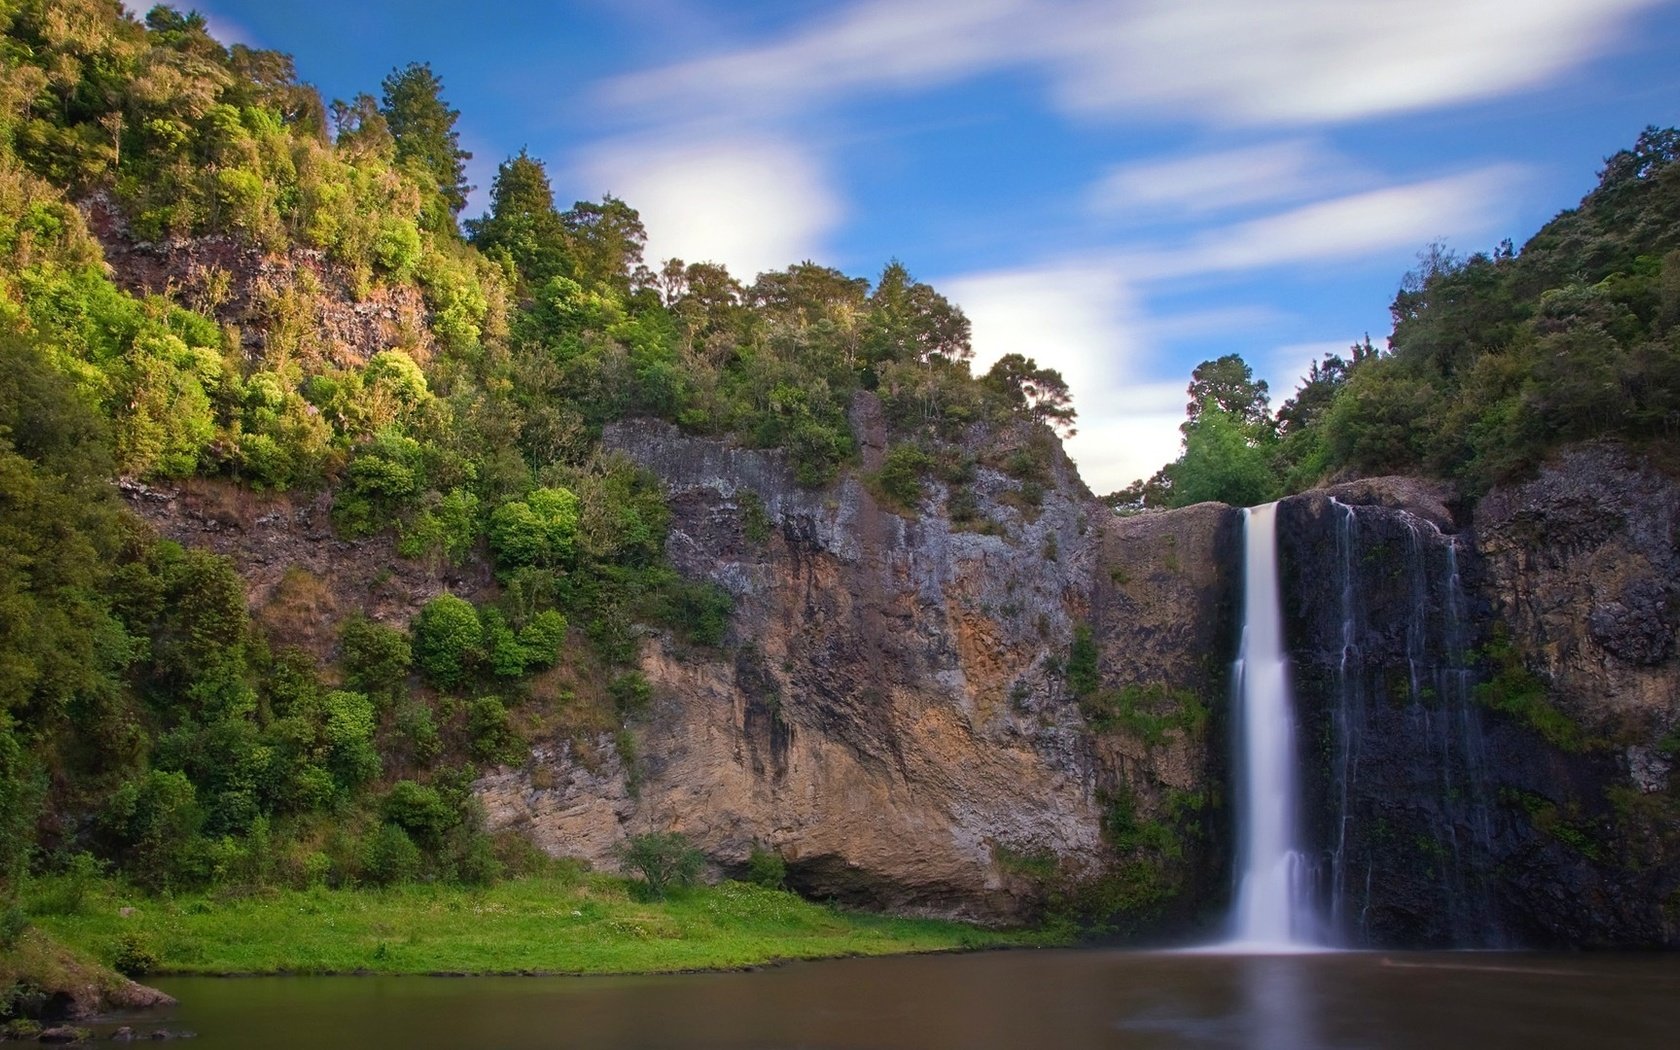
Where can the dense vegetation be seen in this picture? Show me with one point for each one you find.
(148, 724)
(1495, 360)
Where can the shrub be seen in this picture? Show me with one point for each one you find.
(387, 857)
(630, 693)
(349, 732)
(420, 811)
(376, 658)
(448, 640)
(492, 737)
(766, 868)
(901, 475)
(134, 955)
(663, 859)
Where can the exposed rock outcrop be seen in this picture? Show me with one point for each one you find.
(890, 713)
(1488, 714)
(301, 579)
(292, 303)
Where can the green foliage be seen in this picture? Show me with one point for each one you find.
(766, 868)
(349, 733)
(665, 860)
(1082, 673)
(427, 145)
(420, 811)
(1147, 712)
(1513, 689)
(630, 693)
(448, 640)
(386, 856)
(134, 955)
(539, 530)
(901, 473)
(492, 737)
(153, 823)
(375, 658)
(755, 520)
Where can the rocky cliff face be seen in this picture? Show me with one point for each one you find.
(890, 712)
(1489, 704)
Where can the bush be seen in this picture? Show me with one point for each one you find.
(13, 925)
(419, 810)
(664, 860)
(388, 857)
(349, 731)
(375, 658)
(448, 640)
(134, 955)
(492, 738)
(766, 868)
(901, 475)
(630, 693)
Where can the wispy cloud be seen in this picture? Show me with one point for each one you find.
(1205, 183)
(1224, 61)
(1344, 227)
(751, 202)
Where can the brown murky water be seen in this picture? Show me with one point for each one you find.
(1050, 999)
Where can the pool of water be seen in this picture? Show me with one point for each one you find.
(1052, 999)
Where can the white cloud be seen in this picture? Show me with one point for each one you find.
(1208, 182)
(1320, 61)
(1284, 367)
(1228, 61)
(1081, 318)
(1456, 206)
(750, 202)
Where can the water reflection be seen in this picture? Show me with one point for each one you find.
(1062, 999)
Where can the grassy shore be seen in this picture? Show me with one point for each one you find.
(584, 924)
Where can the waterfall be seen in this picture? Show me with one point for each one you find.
(1274, 908)
(1407, 740)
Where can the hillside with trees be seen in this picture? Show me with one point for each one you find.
(1495, 360)
(213, 276)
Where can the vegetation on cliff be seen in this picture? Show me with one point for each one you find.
(149, 725)
(1495, 360)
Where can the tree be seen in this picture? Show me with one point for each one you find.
(423, 127)
(1223, 460)
(522, 222)
(909, 321)
(604, 241)
(1041, 393)
(663, 858)
(1227, 384)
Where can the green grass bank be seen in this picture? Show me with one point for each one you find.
(570, 924)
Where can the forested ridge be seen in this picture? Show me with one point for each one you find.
(1495, 359)
(150, 726)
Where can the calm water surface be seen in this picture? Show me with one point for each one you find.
(1050, 999)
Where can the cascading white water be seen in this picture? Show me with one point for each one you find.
(1273, 910)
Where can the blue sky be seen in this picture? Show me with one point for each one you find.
(1119, 188)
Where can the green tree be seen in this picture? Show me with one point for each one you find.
(1041, 394)
(448, 640)
(1228, 384)
(523, 222)
(422, 127)
(664, 860)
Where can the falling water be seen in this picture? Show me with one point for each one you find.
(1440, 809)
(1274, 909)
